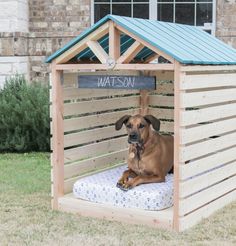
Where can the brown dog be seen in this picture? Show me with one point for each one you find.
(150, 154)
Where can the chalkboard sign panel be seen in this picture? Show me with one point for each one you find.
(117, 82)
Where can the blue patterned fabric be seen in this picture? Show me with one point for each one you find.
(101, 188)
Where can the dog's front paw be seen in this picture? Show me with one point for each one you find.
(119, 184)
(125, 187)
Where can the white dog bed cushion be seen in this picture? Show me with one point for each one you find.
(101, 188)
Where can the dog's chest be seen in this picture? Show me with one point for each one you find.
(138, 166)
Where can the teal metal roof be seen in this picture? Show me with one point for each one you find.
(186, 44)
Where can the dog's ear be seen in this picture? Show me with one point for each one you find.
(121, 121)
(153, 121)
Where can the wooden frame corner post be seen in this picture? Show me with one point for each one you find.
(57, 137)
(177, 108)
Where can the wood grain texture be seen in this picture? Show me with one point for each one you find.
(193, 99)
(91, 121)
(201, 81)
(114, 41)
(209, 146)
(205, 180)
(201, 198)
(192, 117)
(81, 45)
(130, 53)
(88, 165)
(88, 136)
(187, 221)
(177, 133)
(95, 149)
(98, 51)
(132, 216)
(207, 130)
(58, 138)
(206, 163)
(100, 105)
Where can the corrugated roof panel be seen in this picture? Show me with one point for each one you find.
(186, 44)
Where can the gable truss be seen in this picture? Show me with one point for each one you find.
(114, 60)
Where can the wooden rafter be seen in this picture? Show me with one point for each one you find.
(114, 41)
(130, 53)
(98, 51)
(161, 53)
(151, 58)
(81, 45)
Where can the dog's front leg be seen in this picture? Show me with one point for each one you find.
(125, 178)
(142, 180)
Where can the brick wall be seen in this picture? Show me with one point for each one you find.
(226, 21)
(52, 23)
(13, 38)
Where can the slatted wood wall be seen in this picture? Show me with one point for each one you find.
(161, 101)
(90, 140)
(207, 148)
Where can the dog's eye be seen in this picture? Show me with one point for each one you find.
(129, 126)
(141, 126)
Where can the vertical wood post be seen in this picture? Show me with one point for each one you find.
(57, 138)
(144, 101)
(114, 41)
(144, 97)
(177, 81)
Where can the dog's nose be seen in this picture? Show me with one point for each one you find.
(133, 136)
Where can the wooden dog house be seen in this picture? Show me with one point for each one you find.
(195, 99)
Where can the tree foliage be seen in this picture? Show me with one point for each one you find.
(24, 116)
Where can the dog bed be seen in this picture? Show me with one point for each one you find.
(101, 188)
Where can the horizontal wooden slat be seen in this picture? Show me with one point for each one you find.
(199, 149)
(193, 202)
(158, 100)
(81, 167)
(194, 99)
(71, 93)
(96, 149)
(163, 75)
(162, 113)
(191, 219)
(204, 131)
(167, 126)
(191, 117)
(156, 219)
(201, 68)
(96, 120)
(91, 135)
(100, 105)
(68, 183)
(199, 81)
(164, 88)
(205, 180)
(206, 163)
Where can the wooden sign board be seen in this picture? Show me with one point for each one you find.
(117, 82)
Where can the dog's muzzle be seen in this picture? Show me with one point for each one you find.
(133, 138)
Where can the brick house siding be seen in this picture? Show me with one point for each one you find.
(30, 30)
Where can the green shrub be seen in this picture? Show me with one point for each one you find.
(24, 116)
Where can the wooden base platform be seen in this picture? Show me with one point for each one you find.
(163, 218)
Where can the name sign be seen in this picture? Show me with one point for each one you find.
(117, 82)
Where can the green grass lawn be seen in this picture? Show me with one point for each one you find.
(27, 219)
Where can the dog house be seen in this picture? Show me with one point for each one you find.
(195, 98)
